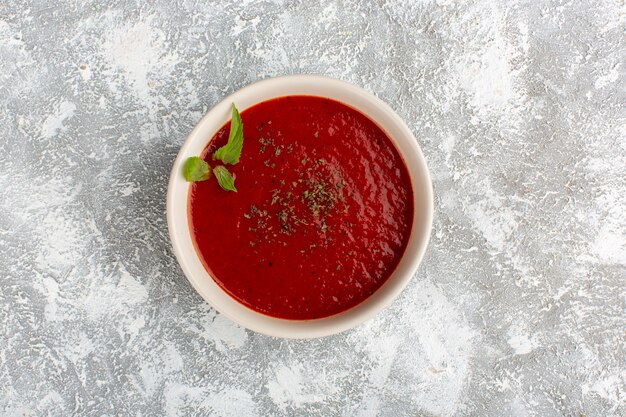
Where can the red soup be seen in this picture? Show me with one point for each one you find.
(322, 215)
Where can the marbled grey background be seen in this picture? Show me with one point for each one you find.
(517, 309)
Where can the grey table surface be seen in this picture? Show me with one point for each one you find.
(517, 309)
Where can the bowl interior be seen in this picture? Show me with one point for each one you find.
(348, 94)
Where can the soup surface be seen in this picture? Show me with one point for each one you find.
(322, 215)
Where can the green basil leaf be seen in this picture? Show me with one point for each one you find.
(230, 153)
(195, 169)
(224, 178)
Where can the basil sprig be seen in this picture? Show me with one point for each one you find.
(196, 169)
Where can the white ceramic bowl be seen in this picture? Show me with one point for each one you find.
(346, 93)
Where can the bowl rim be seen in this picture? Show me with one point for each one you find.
(381, 114)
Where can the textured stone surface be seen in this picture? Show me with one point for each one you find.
(517, 309)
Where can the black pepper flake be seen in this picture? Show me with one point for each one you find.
(265, 142)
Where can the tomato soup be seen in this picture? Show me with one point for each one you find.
(322, 215)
